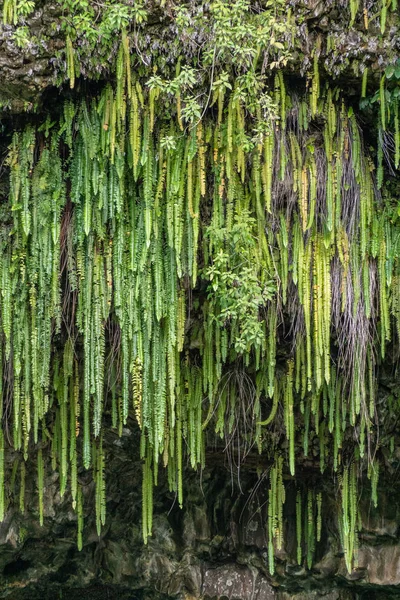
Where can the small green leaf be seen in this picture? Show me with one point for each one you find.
(389, 71)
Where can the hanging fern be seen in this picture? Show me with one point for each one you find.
(150, 271)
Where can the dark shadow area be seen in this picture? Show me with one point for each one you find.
(16, 567)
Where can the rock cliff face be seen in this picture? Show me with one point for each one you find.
(28, 72)
(216, 545)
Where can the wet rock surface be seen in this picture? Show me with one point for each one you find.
(215, 547)
(28, 73)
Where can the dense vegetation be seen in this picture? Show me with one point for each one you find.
(225, 267)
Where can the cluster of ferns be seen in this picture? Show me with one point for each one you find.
(384, 7)
(114, 228)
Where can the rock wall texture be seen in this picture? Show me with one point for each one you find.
(216, 546)
(28, 73)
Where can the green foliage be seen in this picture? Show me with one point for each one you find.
(16, 10)
(99, 24)
(276, 500)
(237, 39)
(113, 213)
(348, 518)
(236, 290)
(238, 35)
(80, 519)
(21, 36)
